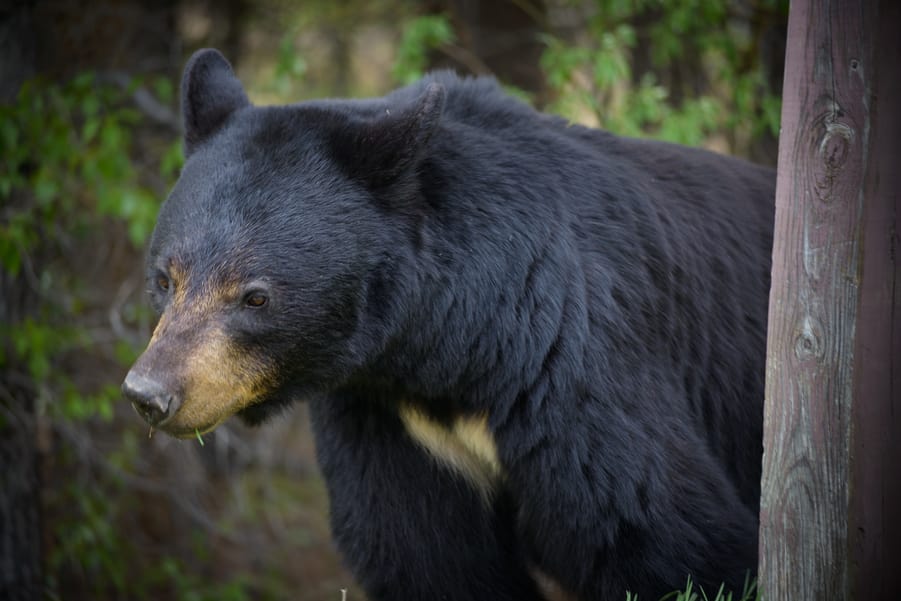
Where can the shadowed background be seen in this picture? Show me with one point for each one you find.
(91, 507)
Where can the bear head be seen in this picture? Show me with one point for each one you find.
(276, 261)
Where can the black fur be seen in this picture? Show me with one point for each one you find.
(210, 93)
(602, 299)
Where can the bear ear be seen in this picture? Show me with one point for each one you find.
(382, 151)
(210, 92)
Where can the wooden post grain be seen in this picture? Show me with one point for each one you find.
(830, 519)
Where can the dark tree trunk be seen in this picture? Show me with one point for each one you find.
(20, 532)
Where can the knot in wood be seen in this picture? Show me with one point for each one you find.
(833, 150)
(835, 146)
(808, 341)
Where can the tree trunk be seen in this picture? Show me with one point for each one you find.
(831, 492)
(20, 533)
(20, 540)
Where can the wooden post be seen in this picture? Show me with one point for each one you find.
(830, 517)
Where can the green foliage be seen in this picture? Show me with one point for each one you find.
(71, 155)
(715, 87)
(192, 587)
(290, 67)
(686, 71)
(420, 36)
(90, 544)
(66, 173)
(90, 540)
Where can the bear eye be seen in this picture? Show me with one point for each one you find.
(163, 282)
(255, 300)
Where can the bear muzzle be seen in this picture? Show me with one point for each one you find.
(150, 398)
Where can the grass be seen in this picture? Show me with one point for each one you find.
(749, 593)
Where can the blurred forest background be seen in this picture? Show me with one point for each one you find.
(90, 506)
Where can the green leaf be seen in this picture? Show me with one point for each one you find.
(90, 129)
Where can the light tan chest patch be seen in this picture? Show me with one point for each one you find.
(466, 446)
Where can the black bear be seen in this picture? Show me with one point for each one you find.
(534, 352)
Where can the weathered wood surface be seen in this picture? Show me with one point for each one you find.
(831, 486)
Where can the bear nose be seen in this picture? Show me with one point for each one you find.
(149, 398)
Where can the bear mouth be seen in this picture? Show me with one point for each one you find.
(185, 432)
(191, 421)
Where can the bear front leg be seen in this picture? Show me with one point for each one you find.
(410, 528)
(610, 505)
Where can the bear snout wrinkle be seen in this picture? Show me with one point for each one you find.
(148, 397)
